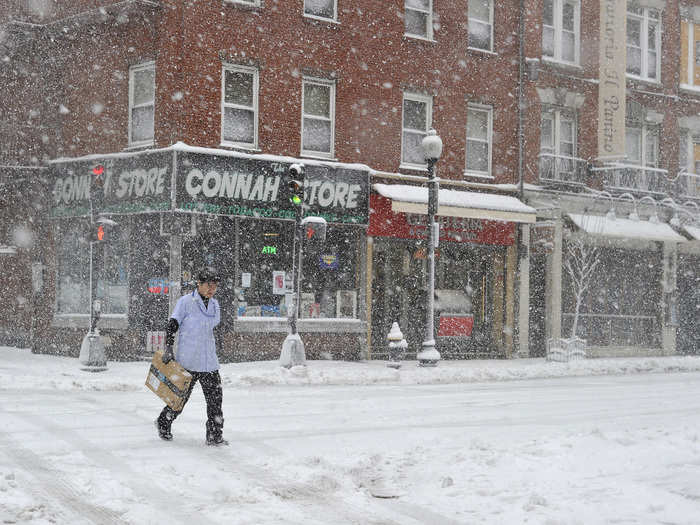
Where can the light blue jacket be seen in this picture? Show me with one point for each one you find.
(196, 349)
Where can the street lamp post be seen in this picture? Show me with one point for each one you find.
(432, 148)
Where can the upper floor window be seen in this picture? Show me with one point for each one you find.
(142, 100)
(561, 31)
(558, 132)
(481, 24)
(318, 117)
(320, 8)
(643, 42)
(690, 54)
(417, 119)
(239, 106)
(689, 152)
(418, 18)
(642, 144)
(479, 138)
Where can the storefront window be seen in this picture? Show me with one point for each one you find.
(73, 265)
(113, 280)
(330, 276)
(620, 306)
(265, 257)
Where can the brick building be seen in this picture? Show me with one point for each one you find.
(194, 110)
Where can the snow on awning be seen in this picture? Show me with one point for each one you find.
(625, 228)
(453, 203)
(693, 231)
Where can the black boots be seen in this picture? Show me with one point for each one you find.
(216, 440)
(163, 431)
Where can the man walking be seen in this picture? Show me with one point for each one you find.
(195, 316)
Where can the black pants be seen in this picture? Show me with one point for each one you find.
(213, 395)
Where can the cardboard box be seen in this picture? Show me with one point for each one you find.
(169, 382)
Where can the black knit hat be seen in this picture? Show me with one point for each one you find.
(208, 274)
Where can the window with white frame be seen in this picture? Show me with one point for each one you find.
(142, 97)
(481, 24)
(561, 30)
(320, 8)
(318, 117)
(643, 41)
(479, 137)
(239, 106)
(417, 118)
(558, 132)
(418, 18)
(689, 151)
(690, 55)
(642, 144)
(244, 2)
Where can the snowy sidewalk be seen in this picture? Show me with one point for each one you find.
(19, 368)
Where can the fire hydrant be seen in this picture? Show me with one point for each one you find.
(397, 346)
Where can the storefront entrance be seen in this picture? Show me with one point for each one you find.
(464, 295)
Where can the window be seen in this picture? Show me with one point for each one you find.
(329, 280)
(239, 111)
(642, 144)
(73, 269)
(244, 2)
(643, 42)
(417, 118)
(690, 54)
(481, 24)
(318, 117)
(479, 136)
(330, 283)
(689, 151)
(561, 31)
(558, 132)
(320, 8)
(142, 93)
(418, 18)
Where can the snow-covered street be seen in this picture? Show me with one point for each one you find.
(318, 447)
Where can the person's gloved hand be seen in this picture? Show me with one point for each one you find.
(168, 354)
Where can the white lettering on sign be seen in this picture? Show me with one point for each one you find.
(139, 182)
(71, 188)
(135, 183)
(327, 194)
(232, 185)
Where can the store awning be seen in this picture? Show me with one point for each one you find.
(693, 231)
(625, 228)
(453, 203)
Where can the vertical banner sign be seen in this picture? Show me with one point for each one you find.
(612, 87)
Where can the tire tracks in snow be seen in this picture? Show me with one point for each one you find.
(53, 482)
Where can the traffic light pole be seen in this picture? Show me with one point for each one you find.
(296, 275)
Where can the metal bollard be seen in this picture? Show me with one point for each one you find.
(397, 346)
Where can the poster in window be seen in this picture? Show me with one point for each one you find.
(346, 303)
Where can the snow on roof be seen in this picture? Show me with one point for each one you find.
(458, 199)
(181, 146)
(625, 228)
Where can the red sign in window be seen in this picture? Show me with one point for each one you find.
(456, 325)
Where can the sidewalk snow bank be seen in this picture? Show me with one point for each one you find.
(19, 368)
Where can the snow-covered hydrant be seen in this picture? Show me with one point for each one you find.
(397, 346)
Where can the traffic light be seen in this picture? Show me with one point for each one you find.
(295, 184)
(103, 230)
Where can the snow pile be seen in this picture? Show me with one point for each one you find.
(22, 369)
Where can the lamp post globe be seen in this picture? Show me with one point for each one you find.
(432, 149)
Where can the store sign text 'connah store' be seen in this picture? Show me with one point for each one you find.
(205, 183)
(250, 187)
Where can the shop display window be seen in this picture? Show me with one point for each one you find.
(329, 273)
(265, 258)
(330, 276)
(73, 269)
(113, 280)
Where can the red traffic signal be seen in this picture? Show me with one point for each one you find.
(100, 233)
(103, 230)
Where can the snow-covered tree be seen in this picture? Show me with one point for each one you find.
(581, 262)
